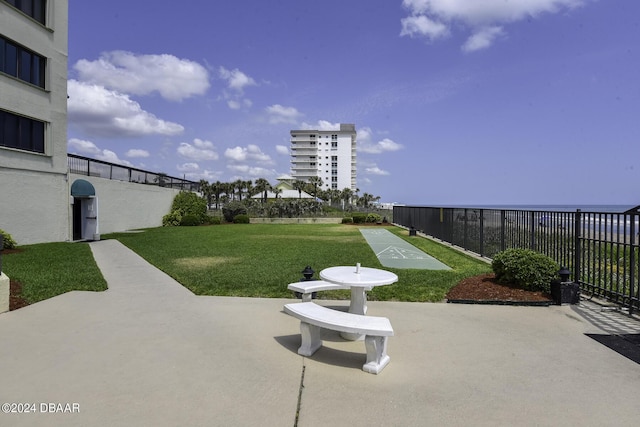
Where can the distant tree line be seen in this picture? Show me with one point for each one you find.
(219, 193)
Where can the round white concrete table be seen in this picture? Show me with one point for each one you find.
(360, 280)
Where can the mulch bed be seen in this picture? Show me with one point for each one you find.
(15, 300)
(15, 288)
(484, 289)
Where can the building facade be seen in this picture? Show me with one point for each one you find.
(34, 188)
(326, 154)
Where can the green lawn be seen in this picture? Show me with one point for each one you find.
(259, 260)
(249, 260)
(51, 269)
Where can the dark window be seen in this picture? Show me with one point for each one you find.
(34, 8)
(22, 63)
(24, 72)
(10, 59)
(21, 132)
(37, 73)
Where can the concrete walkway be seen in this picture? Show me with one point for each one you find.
(148, 352)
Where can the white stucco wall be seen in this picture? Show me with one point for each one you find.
(126, 206)
(34, 206)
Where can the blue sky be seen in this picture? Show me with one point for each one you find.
(455, 101)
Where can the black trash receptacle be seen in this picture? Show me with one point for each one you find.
(565, 292)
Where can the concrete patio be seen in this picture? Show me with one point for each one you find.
(149, 352)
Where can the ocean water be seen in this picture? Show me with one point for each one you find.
(555, 208)
(600, 218)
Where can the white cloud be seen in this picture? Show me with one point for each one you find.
(382, 146)
(435, 18)
(88, 148)
(281, 114)
(200, 150)
(282, 149)
(188, 167)
(237, 81)
(375, 170)
(320, 125)
(104, 112)
(420, 25)
(482, 39)
(250, 153)
(364, 135)
(136, 153)
(251, 171)
(207, 175)
(173, 78)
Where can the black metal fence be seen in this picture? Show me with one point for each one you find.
(91, 167)
(600, 248)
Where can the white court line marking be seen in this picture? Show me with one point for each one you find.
(391, 251)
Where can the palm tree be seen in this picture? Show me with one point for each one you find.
(346, 196)
(333, 196)
(315, 182)
(366, 199)
(207, 191)
(248, 185)
(228, 189)
(262, 186)
(276, 191)
(239, 185)
(299, 185)
(216, 189)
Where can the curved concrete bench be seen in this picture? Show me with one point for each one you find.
(308, 288)
(313, 317)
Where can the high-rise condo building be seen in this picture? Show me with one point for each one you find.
(327, 154)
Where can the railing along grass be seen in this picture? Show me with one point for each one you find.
(259, 260)
(49, 269)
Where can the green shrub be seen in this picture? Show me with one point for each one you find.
(374, 217)
(359, 217)
(347, 220)
(241, 219)
(212, 220)
(8, 242)
(172, 219)
(189, 203)
(190, 220)
(525, 269)
(232, 209)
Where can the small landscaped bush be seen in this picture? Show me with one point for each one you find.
(189, 203)
(347, 220)
(190, 220)
(359, 217)
(212, 220)
(241, 219)
(374, 218)
(172, 219)
(525, 269)
(232, 209)
(8, 242)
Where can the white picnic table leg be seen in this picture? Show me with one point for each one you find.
(357, 305)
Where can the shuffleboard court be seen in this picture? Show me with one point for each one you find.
(394, 252)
